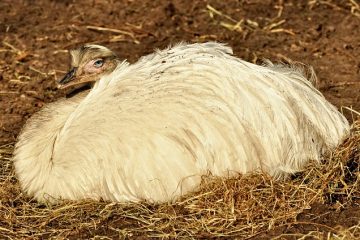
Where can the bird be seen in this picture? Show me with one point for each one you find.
(150, 130)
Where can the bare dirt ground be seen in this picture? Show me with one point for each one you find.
(35, 37)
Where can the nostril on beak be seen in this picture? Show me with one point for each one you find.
(69, 76)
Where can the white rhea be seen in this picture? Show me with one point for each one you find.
(150, 130)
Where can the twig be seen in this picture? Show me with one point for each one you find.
(212, 11)
(103, 29)
(8, 92)
(279, 30)
(38, 71)
(12, 47)
(110, 30)
(352, 110)
(355, 8)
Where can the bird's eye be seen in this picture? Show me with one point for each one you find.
(99, 63)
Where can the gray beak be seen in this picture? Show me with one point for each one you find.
(68, 77)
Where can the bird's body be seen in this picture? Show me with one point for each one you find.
(151, 129)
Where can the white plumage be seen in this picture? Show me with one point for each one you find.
(149, 130)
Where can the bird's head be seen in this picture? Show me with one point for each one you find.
(88, 64)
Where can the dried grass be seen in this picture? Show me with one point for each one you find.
(245, 206)
(272, 25)
(351, 5)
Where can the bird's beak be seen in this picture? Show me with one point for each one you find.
(67, 78)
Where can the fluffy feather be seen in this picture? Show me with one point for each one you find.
(151, 129)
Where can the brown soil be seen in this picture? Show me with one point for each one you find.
(34, 37)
